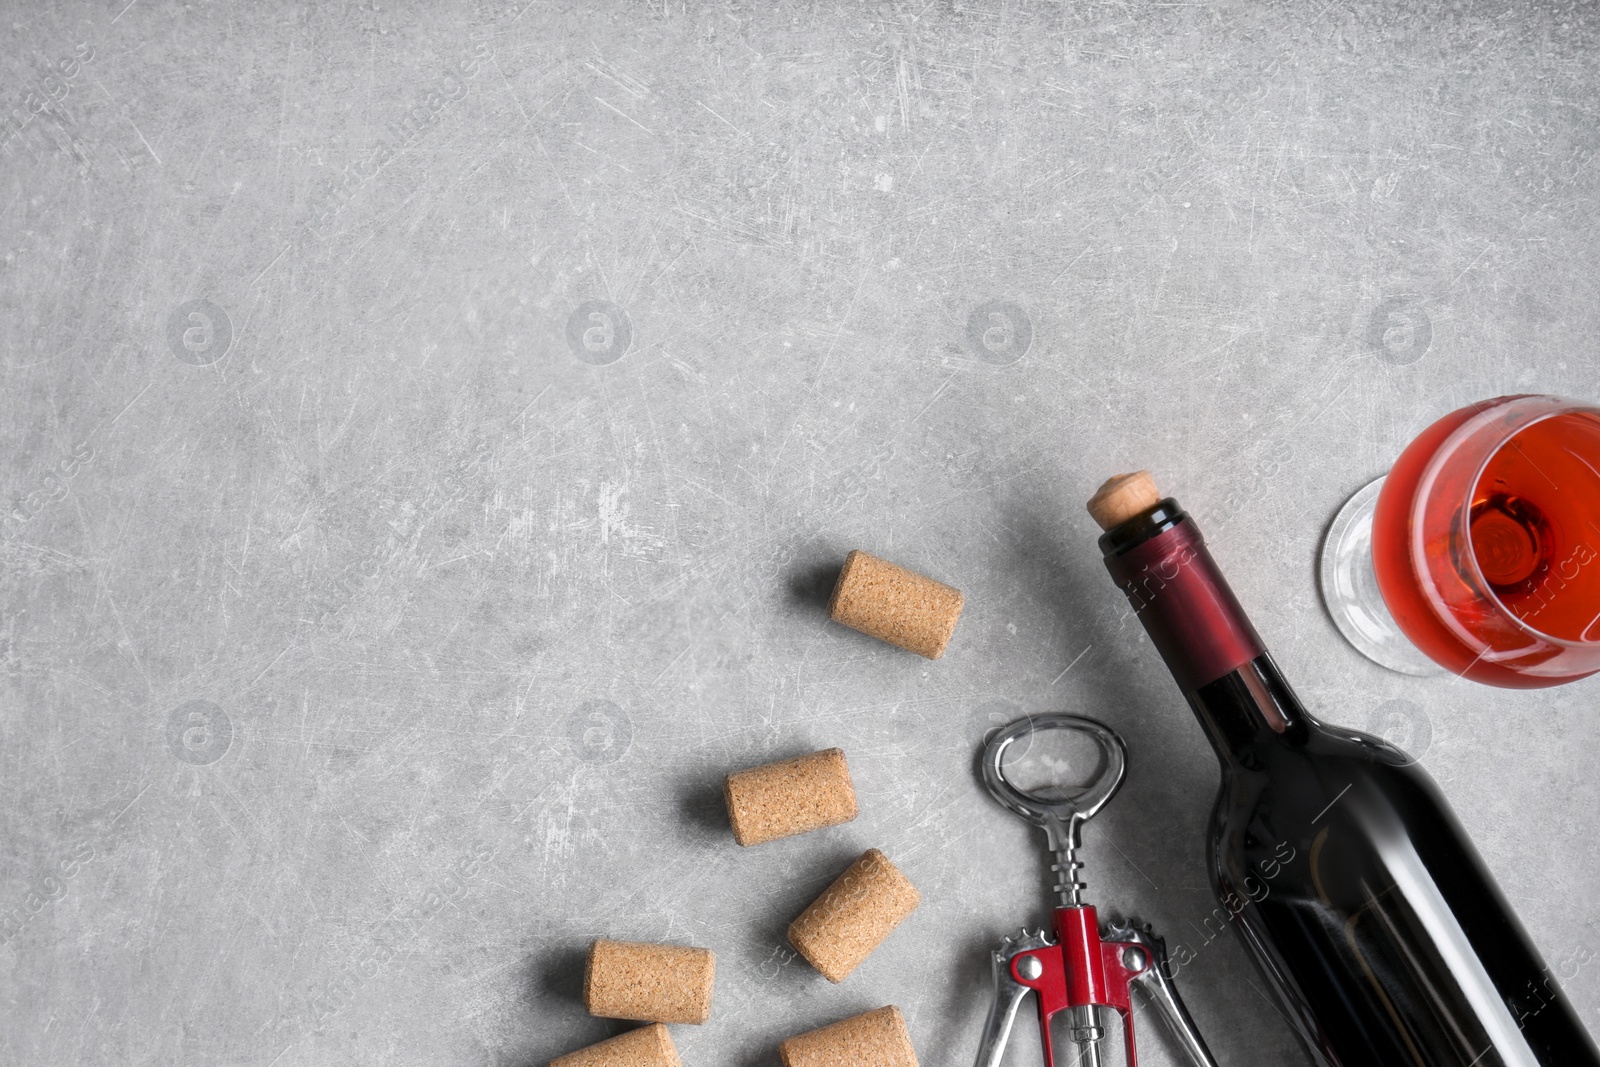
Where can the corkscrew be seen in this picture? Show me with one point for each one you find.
(1088, 967)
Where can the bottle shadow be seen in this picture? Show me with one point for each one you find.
(960, 1025)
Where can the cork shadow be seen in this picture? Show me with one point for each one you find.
(811, 585)
(546, 1049)
(759, 1057)
(701, 806)
(553, 981)
(558, 973)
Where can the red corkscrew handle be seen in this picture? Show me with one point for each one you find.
(1081, 971)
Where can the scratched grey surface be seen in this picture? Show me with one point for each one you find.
(379, 613)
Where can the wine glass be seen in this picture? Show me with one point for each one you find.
(1479, 552)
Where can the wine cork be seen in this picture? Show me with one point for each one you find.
(1122, 497)
(649, 983)
(873, 1039)
(648, 1046)
(886, 601)
(790, 797)
(852, 917)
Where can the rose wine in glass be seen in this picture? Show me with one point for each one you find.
(1481, 548)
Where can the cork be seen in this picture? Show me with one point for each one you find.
(873, 1039)
(886, 601)
(1122, 497)
(649, 983)
(648, 1046)
(790, 797)
(852, 917)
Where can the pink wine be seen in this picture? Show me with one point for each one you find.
(1486, 543)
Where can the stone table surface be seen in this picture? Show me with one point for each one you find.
(429, 432)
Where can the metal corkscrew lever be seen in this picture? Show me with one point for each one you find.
(1087, 968)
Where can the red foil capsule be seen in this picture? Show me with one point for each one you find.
(1185, 604)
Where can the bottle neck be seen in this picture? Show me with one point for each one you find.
(1159, 560)
(1247, 708)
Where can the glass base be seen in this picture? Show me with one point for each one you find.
(1350, 590)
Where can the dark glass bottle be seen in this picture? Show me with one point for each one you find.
(1335, 855)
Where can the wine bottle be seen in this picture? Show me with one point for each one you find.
(1333, 853)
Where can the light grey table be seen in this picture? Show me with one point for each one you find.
(429, 432)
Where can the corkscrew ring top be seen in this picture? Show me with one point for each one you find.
(1063, 813)
(1041, 810)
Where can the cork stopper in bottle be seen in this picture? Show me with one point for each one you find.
(648, 1046)
(1122, 497)
(649, 983)
(875, 1038)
